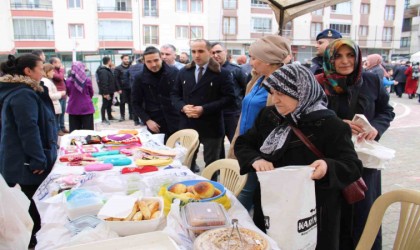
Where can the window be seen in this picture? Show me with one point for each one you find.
(318, 12)
(260, 24)
(150, 8)
(182, 5)
(114, 5)
(257, 3)
(151, 34)
(344, 29)
(123, 5)
(405, 42)
(181, 32)
(230, 4)
(229, 25)
(406, 4)
(333, 8)
(364, 8)
(196, 6)
(316, 28)
(406, 24)
(287, 31)
(363, 30)
(74, 4)
(196, 32)
(387, 34)
(234, 52)
(107, 30)
(31, 4)
(33, 29)
(76, 31)
(389, 12)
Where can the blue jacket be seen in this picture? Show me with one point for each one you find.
(28, 139)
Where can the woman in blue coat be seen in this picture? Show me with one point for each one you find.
(28, 142)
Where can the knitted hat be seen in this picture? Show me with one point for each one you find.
(271, 49)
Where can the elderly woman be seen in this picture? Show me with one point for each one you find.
(266, 55)
(351, 91)
(28, 143)
(299, 101)
(80, 107)
(374, 65)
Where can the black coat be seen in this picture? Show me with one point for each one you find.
(333, 138)
(213, 92)
(121, 81)
(150, 96)
(316, 67)
(106, 81)
(399, 73)
(239, 86)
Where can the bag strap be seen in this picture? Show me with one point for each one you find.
(307, 142)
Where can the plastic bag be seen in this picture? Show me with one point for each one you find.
(373, 154)
(16, 223)
(175, 227)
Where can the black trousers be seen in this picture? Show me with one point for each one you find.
(230, 122)
(81, 122)
(125, 97)
(212, 147)
(29, 191)
(106, 106)
(400, 88)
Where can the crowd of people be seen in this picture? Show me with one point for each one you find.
(257, 103)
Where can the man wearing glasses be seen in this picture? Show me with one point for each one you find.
(232, 112)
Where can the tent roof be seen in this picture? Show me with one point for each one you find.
(287, 10)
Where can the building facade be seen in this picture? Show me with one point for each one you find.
(93, 28)
(410, 33)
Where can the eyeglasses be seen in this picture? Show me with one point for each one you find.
(217, 52)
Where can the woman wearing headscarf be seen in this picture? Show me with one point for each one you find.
(299, 101)
(266, 55)
(411, 83)
(28, 138)
(351, 91)
(80, 107)
(374, 65)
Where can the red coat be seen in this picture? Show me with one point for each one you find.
(411, 84)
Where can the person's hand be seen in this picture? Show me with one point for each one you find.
(188, 109)
(395, 83)
(153, 126)
(197, 111)
(38, 171)
(320, 169)
(107, 97)
(262, 165)
(368, 136)
(356, 129)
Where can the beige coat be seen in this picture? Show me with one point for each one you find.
(54, 94)
(249, 86)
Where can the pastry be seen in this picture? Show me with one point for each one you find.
(178, 188)
(204, 190)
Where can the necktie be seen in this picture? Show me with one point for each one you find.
(200, 74)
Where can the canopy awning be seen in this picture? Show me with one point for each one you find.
(287, 10)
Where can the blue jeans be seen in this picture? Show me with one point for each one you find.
(246, 196)
(63, 102)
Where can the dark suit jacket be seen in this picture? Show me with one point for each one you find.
(213, 92)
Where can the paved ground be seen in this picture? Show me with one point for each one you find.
(404, 171)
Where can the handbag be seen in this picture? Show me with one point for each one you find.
(352, 193)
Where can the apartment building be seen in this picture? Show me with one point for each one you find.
(97, 27)
(409, 41)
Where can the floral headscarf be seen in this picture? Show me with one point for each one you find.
(299, 83)
(333, 82)
(78, 75)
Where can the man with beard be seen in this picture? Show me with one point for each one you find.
(230, 113)
(322, 40)
(151, 94)
(123, 87)
(184, 58)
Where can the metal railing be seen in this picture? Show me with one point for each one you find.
(147, 12)
(260, 5)
(115, 8)
(31, 6)
(115, 38)
(34, 37)
(261, 30)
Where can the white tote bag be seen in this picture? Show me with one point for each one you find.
(288, 199)
(373, 154)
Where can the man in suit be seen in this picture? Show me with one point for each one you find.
(201, 91)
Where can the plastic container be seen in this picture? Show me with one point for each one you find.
(199, 217)
(125, 228)
(82, 202)
(77, 225)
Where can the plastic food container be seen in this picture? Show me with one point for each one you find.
(82, 202)
(125, 228)
(202, 216)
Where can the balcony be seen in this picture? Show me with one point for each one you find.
(19, 6)
(115, 38)
(33, 37)
(114, 8)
